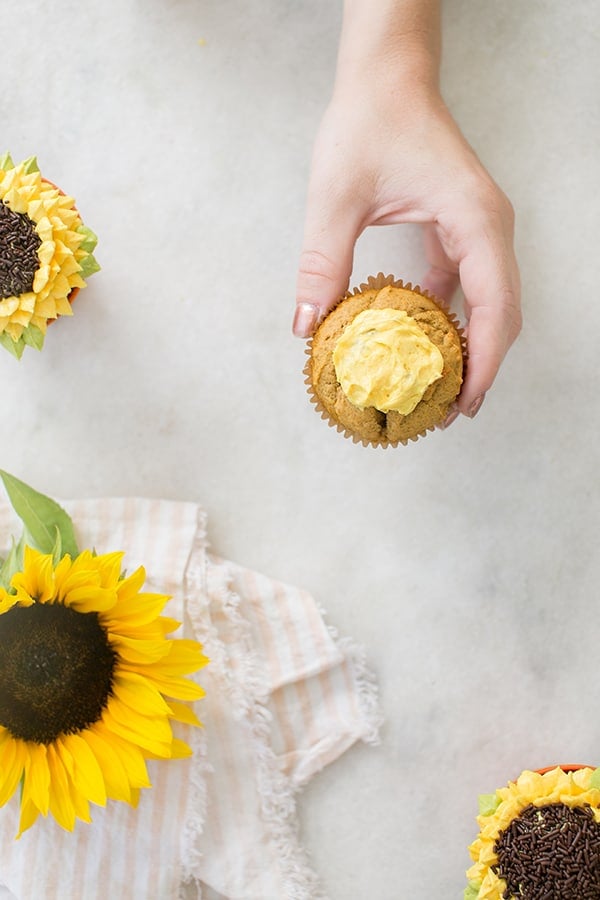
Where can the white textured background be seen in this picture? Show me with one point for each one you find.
(466, 563)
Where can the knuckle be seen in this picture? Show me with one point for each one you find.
(490, 200)
(313, 262)
(315, 265)
(514, 316)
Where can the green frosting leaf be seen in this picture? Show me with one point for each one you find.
(90, 240)
(30, 165)
(14, 347)
(33, 337)
(472, 890)
(595, 779)
(88, 265)
(488, 804)
(6, 162)
(42, 517)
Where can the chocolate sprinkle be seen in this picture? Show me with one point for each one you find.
(56, 671)
(19, 244)
(550, 853)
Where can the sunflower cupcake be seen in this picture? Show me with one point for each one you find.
(539, 838)
(46, 253)
(386, 363)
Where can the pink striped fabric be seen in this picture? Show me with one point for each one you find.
(284, 698)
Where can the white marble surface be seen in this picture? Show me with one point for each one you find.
(466, 563)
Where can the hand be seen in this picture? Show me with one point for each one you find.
(382, 157)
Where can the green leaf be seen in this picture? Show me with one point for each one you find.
(33, 337)
(488, 804)
(13, 562)
(595, 779)
(41, 516)
(90, 239)
(14, 347)
(30, 165)
(472, 890)
(57, 553)
(6, 162)
(88, 265)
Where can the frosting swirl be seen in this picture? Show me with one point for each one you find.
(384, 359)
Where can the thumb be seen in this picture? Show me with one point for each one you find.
(325, 267)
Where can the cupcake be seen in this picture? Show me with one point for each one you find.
(386, 363)
(539, 838)
(46, 253)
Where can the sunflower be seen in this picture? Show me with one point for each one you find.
(46, 252)
(539, 837)
(89, 684)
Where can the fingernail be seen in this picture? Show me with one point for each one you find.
(305, 319)
(450, 418)
(475, 406)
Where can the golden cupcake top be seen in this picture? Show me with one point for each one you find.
(385, 360)
(372, 424)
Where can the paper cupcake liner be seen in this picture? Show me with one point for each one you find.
(377, 282)
(566, 767)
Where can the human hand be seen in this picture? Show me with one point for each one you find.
(381, 157)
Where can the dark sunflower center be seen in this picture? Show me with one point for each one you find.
(19, 245)
(56, 671)
(551, 853)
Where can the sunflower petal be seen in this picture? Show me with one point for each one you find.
(29, 814)
(137, 738)
(130, 586)
(150, 631)
(184, 657)
(109, 566)
(38, 575)
(129, 754)
(90, 599)
(117, 783)
(61, 805)
(87, 776)
(12, 764)
(154, 727)
(135, 691)
(81, 805)
(139, 610)
(36, 786)
(180, 750)
(7, 601)
(139, 651)
(180, 688)
(181, 712)
(69, 576)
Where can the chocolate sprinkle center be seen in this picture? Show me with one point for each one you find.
(550, 853)
(56, 671)
(19, 244)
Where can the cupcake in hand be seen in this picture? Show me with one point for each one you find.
(386, 363)
(46, 253)
(539, 838)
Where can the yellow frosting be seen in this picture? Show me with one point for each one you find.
(384, 359)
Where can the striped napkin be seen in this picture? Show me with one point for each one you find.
(284, 697)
